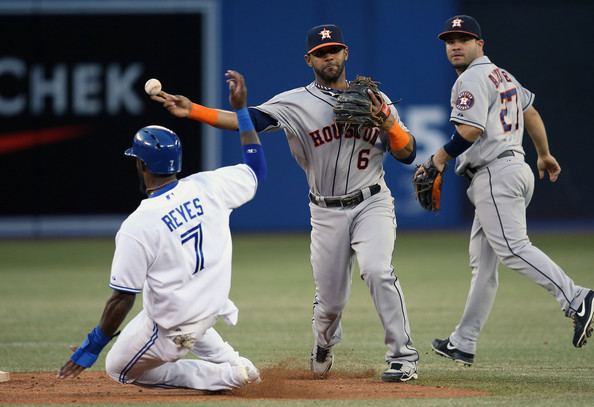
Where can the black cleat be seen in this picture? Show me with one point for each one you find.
(582, 321)
(396, 372)
(321, 361)
(444, 348)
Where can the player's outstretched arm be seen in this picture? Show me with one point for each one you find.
(181, 106)
(253, 153)
(116, 309)
(537, 132)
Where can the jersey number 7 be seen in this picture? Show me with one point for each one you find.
(506, 97)
(195, 234)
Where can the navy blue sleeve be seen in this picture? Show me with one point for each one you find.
(413, 154)
(260, 119)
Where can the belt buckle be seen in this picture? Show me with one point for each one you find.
(349, 201)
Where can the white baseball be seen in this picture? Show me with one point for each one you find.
(152, 86)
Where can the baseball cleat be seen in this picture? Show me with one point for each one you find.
(321, 361)
(444, 347)
(397, 372)
(582, 321)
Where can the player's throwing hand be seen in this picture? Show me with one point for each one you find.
(177, 105)
(237, 89)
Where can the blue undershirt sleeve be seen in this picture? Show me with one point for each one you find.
(260, 119)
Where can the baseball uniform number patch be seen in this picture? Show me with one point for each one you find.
(195, 234)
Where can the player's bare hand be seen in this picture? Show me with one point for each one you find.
(549, 164)
(177, 105)
(237, 89)
(70, 369)
(379, 108)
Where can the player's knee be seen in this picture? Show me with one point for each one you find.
(329, 311)
(513, 249)
(374, 274)
(113, 368)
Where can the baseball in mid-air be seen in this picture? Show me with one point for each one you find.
(152, 86)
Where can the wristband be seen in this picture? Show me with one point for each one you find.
(457, 145)
(203, 114)
(244, 121)
(398, 137)
(89, 350)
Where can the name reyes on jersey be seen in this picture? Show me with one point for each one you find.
(182, 214)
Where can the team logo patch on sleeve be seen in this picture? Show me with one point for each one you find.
(465, 100)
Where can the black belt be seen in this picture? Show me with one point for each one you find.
(470, 171)
(346, 201)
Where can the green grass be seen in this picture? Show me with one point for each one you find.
(53, 292)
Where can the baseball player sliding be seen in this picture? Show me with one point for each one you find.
(176, 249)
(352, 209)
(490, 109)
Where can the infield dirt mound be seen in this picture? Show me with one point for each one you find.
(278, 383)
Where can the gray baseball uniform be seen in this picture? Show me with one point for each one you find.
(491, 99)
(342, 168)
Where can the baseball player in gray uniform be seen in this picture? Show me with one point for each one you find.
(352, 209)
(490, 109)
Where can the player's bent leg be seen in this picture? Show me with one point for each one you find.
(154, 368)
(192, 374)
(212, 348)
(503, 217)
(144, 355)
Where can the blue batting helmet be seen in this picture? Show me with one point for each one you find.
(158, 148)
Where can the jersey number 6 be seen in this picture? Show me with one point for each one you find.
(195, 234)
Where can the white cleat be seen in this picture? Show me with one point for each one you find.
(251, 371)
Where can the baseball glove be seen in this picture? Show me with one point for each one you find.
(355, 108)
(427, 185)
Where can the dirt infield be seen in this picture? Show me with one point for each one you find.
(96, 387)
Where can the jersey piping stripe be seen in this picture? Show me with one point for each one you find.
(346, 186)
(336, 163)
(511, 250)
(126, 289)
(339, 143)
(139, 354)
(403, 315)
(464, 121)
(529, 102)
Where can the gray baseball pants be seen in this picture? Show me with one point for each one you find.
(500, 193)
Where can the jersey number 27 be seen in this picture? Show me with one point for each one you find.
(195, 234)
(506, 104)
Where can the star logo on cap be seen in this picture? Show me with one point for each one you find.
(325, 33)
(457, 22)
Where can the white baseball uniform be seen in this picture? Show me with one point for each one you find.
(491, 99)
(176, 248)
(341, 166)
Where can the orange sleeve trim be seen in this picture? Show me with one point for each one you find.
(203, 114)
(398, 137)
